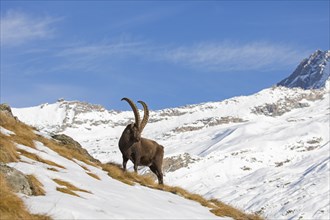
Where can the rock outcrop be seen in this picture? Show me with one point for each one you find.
(69, 142)
(311, 73)
(16, 180)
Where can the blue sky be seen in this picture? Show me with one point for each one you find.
(168, 54)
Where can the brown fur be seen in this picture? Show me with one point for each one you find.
(141, 151)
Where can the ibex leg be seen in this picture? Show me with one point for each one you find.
(158, 173)
(124, 162)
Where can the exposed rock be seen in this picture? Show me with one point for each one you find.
(171, 164)
(207, 122)
(277, 109)
(16, 180)
(6, 109)
(245, 168)
(171, 112)
(308, 145)
(279, 164)
(69, 142)
(287, 104)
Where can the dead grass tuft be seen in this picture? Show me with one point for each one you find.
(8, 151)
(223, 209)
(36, 186)
(69, 186)
(116, 172)
(142, 180)
(12, 207)
(39, 159)
(52, 169)
(93, 175)
(67, 191)
(84, 167)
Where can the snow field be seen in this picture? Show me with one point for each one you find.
(274, 165)
(106, 198)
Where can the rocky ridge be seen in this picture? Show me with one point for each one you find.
(311, 73)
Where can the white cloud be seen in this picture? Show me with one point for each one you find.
(228, 56)
(208, 56)
(18, 28)
(94, 57)
(122, 46)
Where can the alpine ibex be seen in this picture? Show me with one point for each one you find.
(141, 151)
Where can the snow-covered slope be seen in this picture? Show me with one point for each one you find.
(265, 153)
(97, 196)
(311, 73)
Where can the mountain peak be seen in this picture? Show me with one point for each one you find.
(311, 73)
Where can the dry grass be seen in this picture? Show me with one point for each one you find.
(142, 180)
(52, 169)
(23, 133)
(36, 186)
(39, 159)
(69, 186)
(8, 151)
(89, 172)
(93, 175)
(85, 168)
(116, 172)
(12, 207)
(63, 151)
(223, 209)
(67, 191)
(218, 208)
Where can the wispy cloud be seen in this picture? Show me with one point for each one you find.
(18, 28)
(93, 57)
(229, 56)
(208, 56)
(121, 46)
(221, 56)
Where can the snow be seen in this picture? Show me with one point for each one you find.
(50, 115)
(106, 198)
(275, 165)
(6, 132)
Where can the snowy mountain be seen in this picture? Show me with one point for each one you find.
(311, 73)
(266, 153)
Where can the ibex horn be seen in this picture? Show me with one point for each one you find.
(135, 110)
(145, 116)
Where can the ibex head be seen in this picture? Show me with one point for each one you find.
(134, 130)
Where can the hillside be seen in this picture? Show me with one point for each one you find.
(65, 182)
(265, 153)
